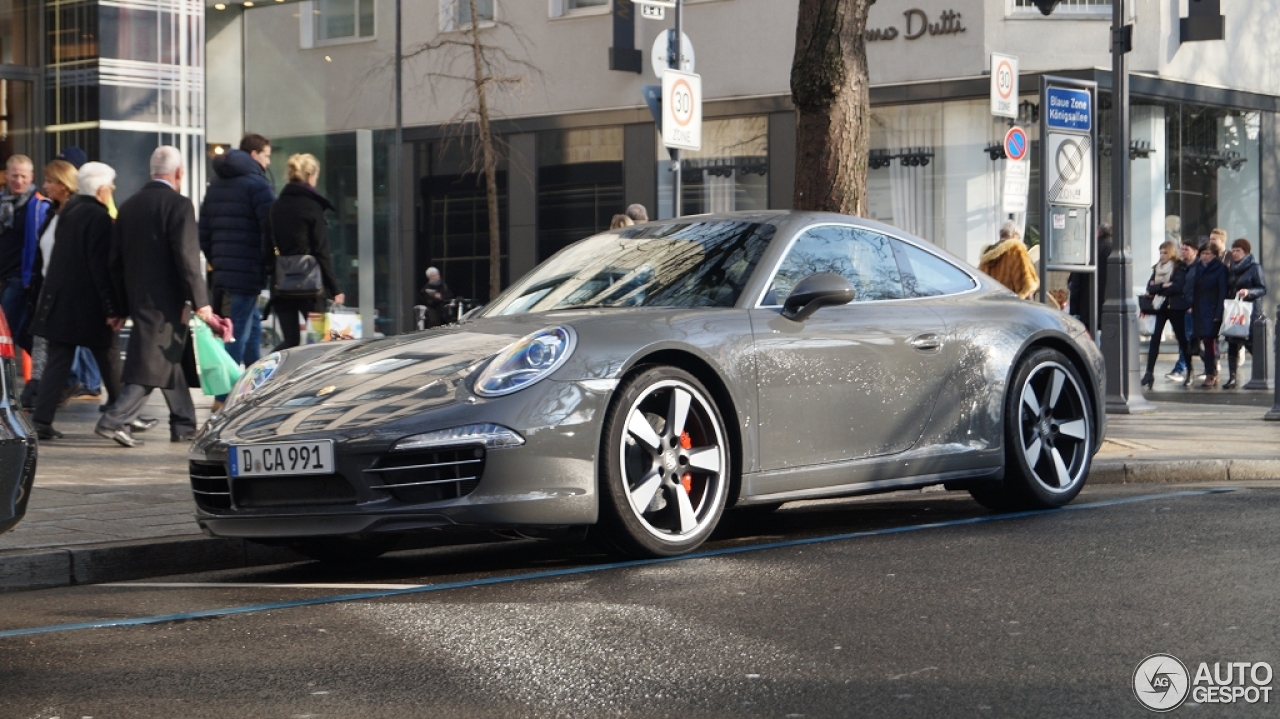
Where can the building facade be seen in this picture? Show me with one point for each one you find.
(579, 144)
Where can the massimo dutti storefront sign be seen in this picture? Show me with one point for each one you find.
(916, 25)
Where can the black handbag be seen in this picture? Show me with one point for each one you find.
(1145, 304)
(298, 277)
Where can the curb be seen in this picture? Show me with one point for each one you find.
(1116, 471)
(26, 569)
(124, 561)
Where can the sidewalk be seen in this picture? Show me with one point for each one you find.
(100, 512)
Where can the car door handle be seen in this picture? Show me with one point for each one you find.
(927, 342)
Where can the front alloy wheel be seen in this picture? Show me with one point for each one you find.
(1048, 436)
(666, 465)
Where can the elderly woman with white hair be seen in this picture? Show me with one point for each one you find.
(436, 295)
(78, 304)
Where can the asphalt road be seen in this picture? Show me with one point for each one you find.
(930, 609)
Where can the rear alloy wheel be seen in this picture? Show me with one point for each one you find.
(1048, 436)
(666, 465)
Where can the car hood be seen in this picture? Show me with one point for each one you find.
(364, 384)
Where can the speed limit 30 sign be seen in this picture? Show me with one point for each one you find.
(682, 110)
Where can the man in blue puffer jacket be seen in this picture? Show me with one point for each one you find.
(232, 219)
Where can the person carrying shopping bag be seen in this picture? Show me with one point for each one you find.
(1207, 293)
(1244, 282)
(1168, 304)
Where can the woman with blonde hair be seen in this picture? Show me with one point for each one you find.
(60, 185)
(1168, 304)
(296, 227)
(620, 221)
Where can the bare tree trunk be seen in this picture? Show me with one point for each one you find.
(490, 159)
(829, 87)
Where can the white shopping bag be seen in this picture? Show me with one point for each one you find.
(1146, 325)
(1236, 315)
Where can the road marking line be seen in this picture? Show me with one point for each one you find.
(422, 589)
(236, 585)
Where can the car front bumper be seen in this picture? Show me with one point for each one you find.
(549, 481)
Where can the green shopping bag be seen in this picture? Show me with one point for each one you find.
(218, 372)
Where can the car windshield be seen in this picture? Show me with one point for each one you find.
(676, 264)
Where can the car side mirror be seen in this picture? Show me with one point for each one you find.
(814, 291)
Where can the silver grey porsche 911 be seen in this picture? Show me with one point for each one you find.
(643, 381)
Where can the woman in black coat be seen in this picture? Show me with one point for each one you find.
(296, 227)
(78, 299)
(1207, 293)
(1244, 282)
(1166, 289)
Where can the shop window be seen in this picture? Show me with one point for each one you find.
(561, 8)
(453, 225)
(456, 14)
(1066, 8)
(343, 20)
(730, 172)
(19, 32)
(579, 185)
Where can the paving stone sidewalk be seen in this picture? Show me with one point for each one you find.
(101, 512)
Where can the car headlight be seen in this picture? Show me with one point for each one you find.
(530, 359)
(258, 374)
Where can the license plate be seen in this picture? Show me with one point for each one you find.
(282, 458)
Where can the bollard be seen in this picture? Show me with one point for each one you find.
(1274, 414)
(1259, 378)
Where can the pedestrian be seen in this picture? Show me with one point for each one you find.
(1082, 303)
(1169, 303)
(1244, 282)
(637, 213)
(1188, 252)
(86, 379)
(296, 227)
(437, 296)
(1008, 263)
(620, 221)
(1218, 237)
(232, 218)
(78, 303)
(155, 264)
(60, 184)
(1207, 293)
(22, 214)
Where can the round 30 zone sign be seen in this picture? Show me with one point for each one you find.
(682, 110)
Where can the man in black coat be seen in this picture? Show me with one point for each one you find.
(232, 222)
(437, 296)
(155, 265)
(78, 304)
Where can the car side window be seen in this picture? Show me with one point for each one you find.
(927, 275)
(864, 258)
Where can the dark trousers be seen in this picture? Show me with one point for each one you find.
(291, 313)
(1178, 319)
(1209, 353)
(133, 397)
(1234, 345)
(58, 368)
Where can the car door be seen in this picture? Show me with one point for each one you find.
(851, 381)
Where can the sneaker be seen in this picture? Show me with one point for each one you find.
(1175, 376)
(84, 393)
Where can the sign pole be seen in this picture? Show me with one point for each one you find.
(674, 61)
(1119, 316)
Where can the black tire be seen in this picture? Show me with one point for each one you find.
(345, 550)
(1048, 436)
(664, 475)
